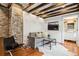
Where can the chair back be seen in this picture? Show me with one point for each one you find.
(9, 43)
(31, 42)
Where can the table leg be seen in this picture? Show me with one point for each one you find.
(43, 42)
(55, 41)
(50, 45)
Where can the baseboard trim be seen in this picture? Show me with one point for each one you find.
(70, 41)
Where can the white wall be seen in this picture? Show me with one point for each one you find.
(32, 23)
(56, 34)
(59, 35)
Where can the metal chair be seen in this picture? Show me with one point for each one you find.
(10, 44)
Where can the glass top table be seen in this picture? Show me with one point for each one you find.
(49, 41)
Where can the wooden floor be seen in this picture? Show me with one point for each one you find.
(19, 51)
(26, 52)
(72, 47)
(1, 47)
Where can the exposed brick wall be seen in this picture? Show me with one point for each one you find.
(4, 22)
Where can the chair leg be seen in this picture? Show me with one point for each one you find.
(10, 53)
(50, 45)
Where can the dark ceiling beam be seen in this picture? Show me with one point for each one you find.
(49, 12)
(50, 7)
(37, 7)
(37, 11)
(62, 13)
(30, 4)
(3, 6)
(64, 9)
(78, 5)
(57, 9)
(9, 5)
(19, 4)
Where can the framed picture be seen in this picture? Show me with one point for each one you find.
(70, 26)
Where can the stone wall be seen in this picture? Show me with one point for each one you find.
(4, 22)
(16, 22)
(11, 22)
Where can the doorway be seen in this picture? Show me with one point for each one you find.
(70, 33)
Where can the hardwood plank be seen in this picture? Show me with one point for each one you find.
(1, 47)
(72, 47)
(26, 52)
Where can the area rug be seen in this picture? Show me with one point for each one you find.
(56, 50)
